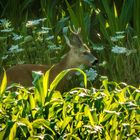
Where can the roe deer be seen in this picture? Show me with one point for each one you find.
(78, 54)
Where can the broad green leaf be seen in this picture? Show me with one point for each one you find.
(36, 76)
(2, 132)
(75, 137)
(107, 137)
(66, 121)
(121, 95)
(105, 84)
(88, 113)
(57, 95)
(4, 83)
(79, 125)
(113, 134)
(27, 123)
(38, 122)
(38, 83)
(95, 118)
(58, 79)
(137, 127)
(105, 117)
(46, 84)
(72, 136)
(64, 110)
(114, 122)
(32, 101)
(13, 131)
(61, 75)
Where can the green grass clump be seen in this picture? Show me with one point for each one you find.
(41, 112)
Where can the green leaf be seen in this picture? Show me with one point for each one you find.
(107, 137)
(66, 121)
(95, 118)
(59, 78)
(72, 136)
(38, 122)
(46, 83)
(13, 131)
(79, 125)
(73, 16)
(88, 113)
(63, 73)
(2, 133)
(114, 122)
(106, 117)
(105, 84)
(26, 122)
(32, 104)
(44, 91)
(121, 95)
(75, 137)
(64, 110)
(4, 83)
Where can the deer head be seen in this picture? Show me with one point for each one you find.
(79, 52)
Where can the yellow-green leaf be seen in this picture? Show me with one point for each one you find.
(88, 113)
(4, 83)
(13, 131)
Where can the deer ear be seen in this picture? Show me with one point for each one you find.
(76, 40)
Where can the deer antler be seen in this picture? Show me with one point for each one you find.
(74, 30)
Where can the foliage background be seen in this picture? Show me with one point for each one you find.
(105, 25)
(32, 31)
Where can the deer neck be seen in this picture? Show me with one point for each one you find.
(66, 63)
(69, 62)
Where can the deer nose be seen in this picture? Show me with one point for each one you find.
(95, 62)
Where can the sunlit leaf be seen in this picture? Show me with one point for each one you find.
(45, 86)
(66, 121)
(13, 131)
(3, 84)
(2, 132)
(79, 125)
(61, 75)
(38, 122)
(26, 122)
(88, 113)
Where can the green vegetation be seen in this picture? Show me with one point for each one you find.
(111, 112)
(34, 32)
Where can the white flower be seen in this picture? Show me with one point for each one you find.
(7, 30)
(17, 37)
(119, 50)
(15, 49)
(32, 23)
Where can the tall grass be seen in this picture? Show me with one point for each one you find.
(16, 11)
(116, 27)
